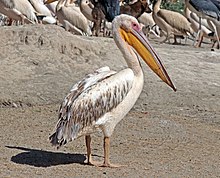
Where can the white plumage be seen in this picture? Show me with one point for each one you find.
(71, 17)
(18, 10)
(172, 23)
(200, 26)
(40, 7)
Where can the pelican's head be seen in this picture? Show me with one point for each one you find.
(127, 28)
(86, 3)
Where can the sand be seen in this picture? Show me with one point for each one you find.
(166, 134)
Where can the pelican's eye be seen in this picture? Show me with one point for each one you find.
(135, 26)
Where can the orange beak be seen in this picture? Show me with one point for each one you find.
(140, 43)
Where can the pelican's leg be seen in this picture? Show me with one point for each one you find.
(89, 152)
(106, 154)
(106, 151)
(198, 33)
(199, 40)
(175, 40)
(88, 147)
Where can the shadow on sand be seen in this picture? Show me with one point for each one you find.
(41, 158)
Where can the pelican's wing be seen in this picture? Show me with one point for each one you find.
(89, 100)
(26, 9)
(75, 17)
(174, 19)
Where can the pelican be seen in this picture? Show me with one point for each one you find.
(71, 17)
(207, 9)
(18, 10)
(93, 11)
(86, 8)
(103, 98)
(40, 7)
(173, 23)
(149, 25)
(44, 15)
(200, 26)
(146, 19)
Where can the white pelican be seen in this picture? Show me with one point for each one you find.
(103, 98)
(40, 7)
(207, 9)
(44, 15)
(173, 23)
(18, 10)
(200, 26)
(71, 17)
(93, 12)
(86, 8)
(149, 26)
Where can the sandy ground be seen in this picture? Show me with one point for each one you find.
(166, 134)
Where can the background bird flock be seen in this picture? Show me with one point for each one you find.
(170, 20)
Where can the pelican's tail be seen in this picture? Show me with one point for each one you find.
(65, 132)
(53, 139)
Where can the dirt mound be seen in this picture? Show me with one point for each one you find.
(40, 63)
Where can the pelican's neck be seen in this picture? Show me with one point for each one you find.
(186, 12)
(131, 58)
(156, 6)
(86, 9)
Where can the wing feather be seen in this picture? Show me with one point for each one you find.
(89, 99)
(175, 20)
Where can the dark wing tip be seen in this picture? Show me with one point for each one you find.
(54, 141)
